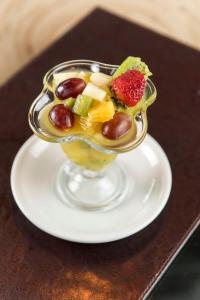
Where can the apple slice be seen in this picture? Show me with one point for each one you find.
(94, 92)
(100, 79)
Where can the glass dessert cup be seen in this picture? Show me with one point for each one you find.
(89, 179)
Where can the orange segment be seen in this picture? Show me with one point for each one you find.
(102, 112)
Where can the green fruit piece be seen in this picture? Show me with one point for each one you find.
(70, 102)
(140, 106)
(133, 111)
(82, 105)
(133, 63)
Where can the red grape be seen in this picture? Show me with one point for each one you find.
(70, 88)
(61, 117)
(117, 127)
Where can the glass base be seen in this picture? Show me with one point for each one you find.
(90, 190)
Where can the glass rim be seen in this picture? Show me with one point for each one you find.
(83, 137)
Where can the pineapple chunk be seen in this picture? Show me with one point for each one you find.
(100, 79)
(95, 92)
(60, 77)
(84, 75)
(101, 112)
(91, 128)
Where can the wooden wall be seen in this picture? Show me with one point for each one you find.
(29, 26)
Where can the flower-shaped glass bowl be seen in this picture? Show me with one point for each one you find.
(88, 179)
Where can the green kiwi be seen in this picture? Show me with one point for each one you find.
(132, 63)
(70, 102)
(82, 105)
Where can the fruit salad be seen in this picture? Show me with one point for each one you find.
(96, 104)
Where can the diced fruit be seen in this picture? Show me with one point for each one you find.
(133, 63)
(61, 117)
(100, 79)
(60, 77)
(70, 102)
(84, 122)
(82, 105)
(101, 112)
(117, 127)
(97, 102)
(91, 128)
(95, 92)
(129, 87)
(70, 88)
(84, 75)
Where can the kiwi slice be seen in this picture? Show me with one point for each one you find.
(82, 105)
(70, 102)
(133, 63)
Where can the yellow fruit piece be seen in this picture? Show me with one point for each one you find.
(84, 75)
(101, 112)
(60, 77)
(100, 79)
(94, 92)
(84, 122)
(89, 127)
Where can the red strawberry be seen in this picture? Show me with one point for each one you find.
(129, 87)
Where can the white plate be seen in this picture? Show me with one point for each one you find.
(33, 173)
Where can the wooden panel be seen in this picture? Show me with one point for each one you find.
(27, 27)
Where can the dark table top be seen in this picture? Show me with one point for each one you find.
(34, 265)
(182, 280)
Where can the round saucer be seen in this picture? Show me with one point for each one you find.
(32, 182)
